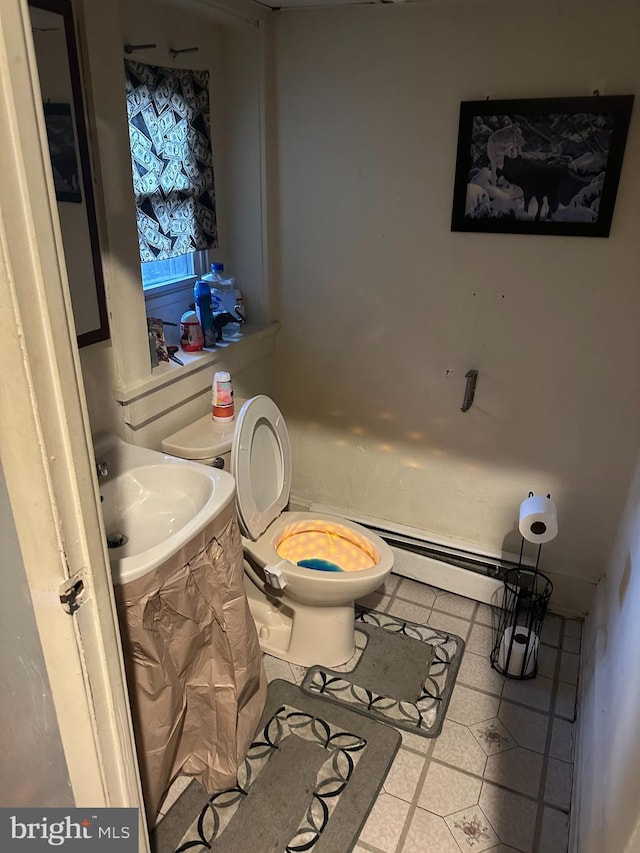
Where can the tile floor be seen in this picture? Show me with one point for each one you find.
(499, 776)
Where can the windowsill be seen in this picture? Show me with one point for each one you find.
(169, 373)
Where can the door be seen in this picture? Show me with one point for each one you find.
(33, 770)
(46, 452)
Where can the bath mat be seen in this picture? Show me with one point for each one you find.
(310, 778)
(404, 677)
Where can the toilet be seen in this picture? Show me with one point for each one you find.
(303, 570)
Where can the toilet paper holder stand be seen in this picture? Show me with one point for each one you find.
(525, 600)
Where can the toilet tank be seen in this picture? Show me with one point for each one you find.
(204, 441)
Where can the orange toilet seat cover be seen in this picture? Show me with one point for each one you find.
(326, 546)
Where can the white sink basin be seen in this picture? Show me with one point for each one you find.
(153, 504)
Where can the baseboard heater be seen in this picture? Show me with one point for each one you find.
(458, 570)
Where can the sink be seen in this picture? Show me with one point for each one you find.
(153, 504)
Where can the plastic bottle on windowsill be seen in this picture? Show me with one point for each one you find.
(191, 337)
(224, 294)
(202, 296)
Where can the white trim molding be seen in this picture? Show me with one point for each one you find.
(170, 384)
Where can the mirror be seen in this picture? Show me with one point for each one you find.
(54, 38)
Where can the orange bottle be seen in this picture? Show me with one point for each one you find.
(222, 409)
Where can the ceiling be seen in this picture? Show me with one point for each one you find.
(299, 4)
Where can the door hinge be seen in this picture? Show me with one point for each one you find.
(72, 594)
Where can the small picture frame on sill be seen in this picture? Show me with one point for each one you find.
(540, 166)
(63, 151)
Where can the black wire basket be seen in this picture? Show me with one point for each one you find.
(517, 641)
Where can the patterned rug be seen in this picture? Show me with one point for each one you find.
(404, 677)
(308, 783)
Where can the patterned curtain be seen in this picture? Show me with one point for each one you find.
(170, 136)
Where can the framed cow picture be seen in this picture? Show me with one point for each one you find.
(540, 166)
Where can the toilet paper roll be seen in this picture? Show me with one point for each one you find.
(538, 519)
(524, 651)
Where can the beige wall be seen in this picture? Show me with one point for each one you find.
(378, 299)
(609, 753)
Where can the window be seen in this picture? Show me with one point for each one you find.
(157, 273)
(172, 164)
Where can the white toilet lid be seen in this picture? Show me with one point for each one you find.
(261, 464)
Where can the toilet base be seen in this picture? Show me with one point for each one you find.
(299, 633)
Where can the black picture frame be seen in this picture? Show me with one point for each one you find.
(63, 151)
(64, 8)
(540, 166)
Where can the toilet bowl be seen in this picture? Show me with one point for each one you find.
(303, 571)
